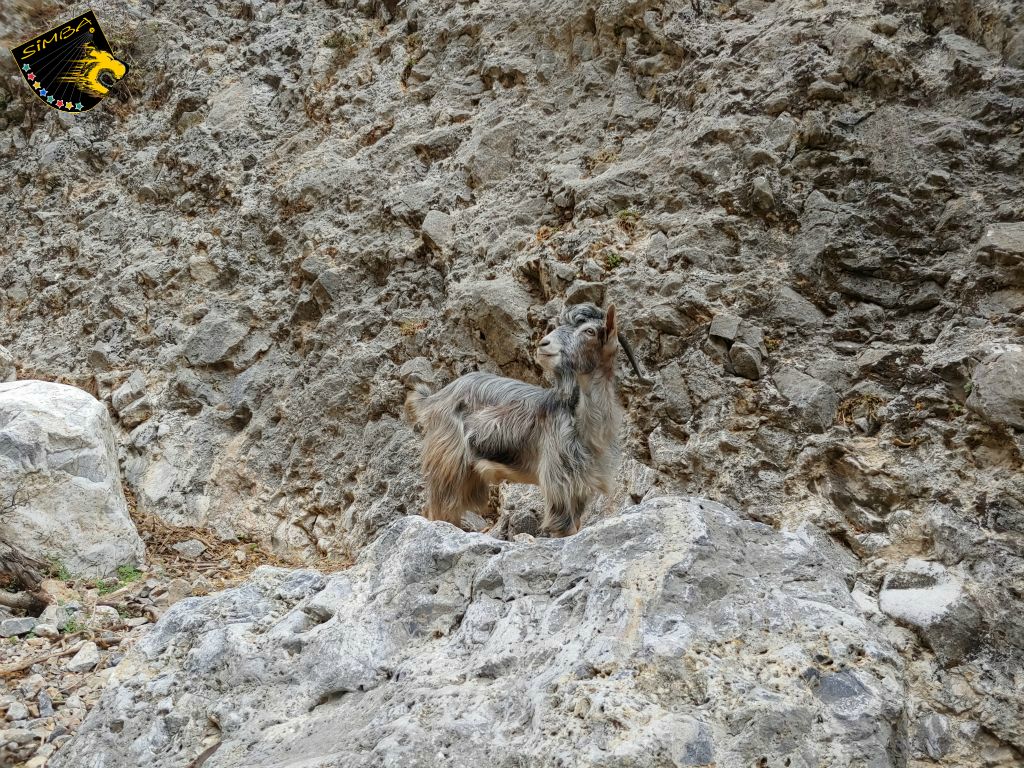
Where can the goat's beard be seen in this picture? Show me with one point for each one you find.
(549, 364)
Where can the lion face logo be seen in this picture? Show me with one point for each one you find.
(72, 66)
(96, 73)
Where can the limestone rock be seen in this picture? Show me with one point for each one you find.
(191, 550)
(740, 343)
(997, 392)
(1002, 247)
(214, 339)
(58, 465)
(813, 401)
(496, 311)
(650, 626)
(8, 371)
(746, 361)
(437, 229)
(15, 627)
(792, 309)
(930, 599)
(86, 659)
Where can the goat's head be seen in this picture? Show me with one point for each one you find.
(587, 337)
(579, 344)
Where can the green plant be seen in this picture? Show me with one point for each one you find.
(106, 586)
(612, 259)
(72, 626)
(128, 573)
(58, 569)
(344, 44)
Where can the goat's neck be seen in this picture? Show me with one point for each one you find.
(598, 413)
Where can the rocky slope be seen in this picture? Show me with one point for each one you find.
(616, 647)
(809, 215)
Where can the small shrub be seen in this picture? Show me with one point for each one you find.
(59, 570)
(72, 626)
(408, 328)
(128, 573)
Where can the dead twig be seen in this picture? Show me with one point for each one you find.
(11, 669)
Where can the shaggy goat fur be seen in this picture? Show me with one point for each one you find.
(482, 429)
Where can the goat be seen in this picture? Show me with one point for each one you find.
(482, 428)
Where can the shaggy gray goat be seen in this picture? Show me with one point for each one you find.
(482, 429)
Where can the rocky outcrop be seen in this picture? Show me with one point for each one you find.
(60, 481)
(673, 634)
(291, 209)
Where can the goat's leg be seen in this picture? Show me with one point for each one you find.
(446, 493)
(450, 479)
(563, 509)
(476, 495)
(577, 513)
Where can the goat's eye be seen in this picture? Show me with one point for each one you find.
(590, 331)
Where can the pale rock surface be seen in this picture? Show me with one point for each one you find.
(59, 471)
(675, 633)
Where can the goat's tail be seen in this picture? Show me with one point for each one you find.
(414, 401)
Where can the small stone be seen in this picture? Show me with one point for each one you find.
(886, 25)
(471, 521)
(31, 685)
(934, 735)
(815, 402)
(128, 392)
(190, 550)
(581, 292)
(724, 327)
(14, 627)
(239, 555)
(822, 90)
(776, 105)
(214, 339)
(54, 615)
(997, 388)
(47, 630)
(45, 704)
(437, 229)
(136, 621)
(136, 413)
(746, 361)
(1001, 247)
(761, 196)
(17, 711)
(174, 591)
(794, 310)
(931, 600)
(105, 616)
(85, 660)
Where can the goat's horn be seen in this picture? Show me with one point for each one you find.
(632, 359)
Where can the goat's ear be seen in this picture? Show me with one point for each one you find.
(610, 329)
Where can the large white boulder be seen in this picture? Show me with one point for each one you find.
(676, 633)
(60, 487)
